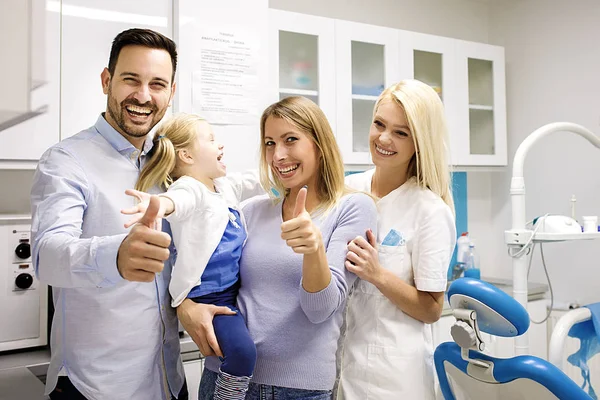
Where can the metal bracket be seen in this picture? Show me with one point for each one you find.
(517, 237)
(470, 318)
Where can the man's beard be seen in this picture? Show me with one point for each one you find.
(117, 112)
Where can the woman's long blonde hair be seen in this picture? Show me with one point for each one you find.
(427, 121)
(310, 119)
(177, 133)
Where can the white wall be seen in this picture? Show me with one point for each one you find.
(552, 71)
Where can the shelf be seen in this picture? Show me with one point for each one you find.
(561, 237)
(299, 92)
(480, 107)
(364, 97)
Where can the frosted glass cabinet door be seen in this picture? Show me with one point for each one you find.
(432, 60)
(481, 79)
(366, 63)
(302, 59)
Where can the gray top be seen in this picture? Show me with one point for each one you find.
(296, 332)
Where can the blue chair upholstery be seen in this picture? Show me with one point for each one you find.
(465, 373)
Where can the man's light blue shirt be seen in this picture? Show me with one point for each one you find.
(115, 339)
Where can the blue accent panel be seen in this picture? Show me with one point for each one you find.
(497, 300)
(507, 370)
(459, 192)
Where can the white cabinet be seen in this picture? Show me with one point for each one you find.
(480, 78)
(29, 104)
(366, 59)
(349, 73)
(302, 61)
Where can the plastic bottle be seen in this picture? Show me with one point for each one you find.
(462, 247)
(472, 263)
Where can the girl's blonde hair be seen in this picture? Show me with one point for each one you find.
(177, 133)
(427, 122)
(310, 119)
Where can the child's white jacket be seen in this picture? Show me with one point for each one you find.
(199, 221)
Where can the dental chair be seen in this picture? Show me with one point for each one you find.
(464, 372)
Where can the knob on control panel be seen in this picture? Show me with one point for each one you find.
(24, 281)
(23, 250)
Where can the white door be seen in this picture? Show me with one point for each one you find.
(480, 77)
(366, 63)
(302, 59)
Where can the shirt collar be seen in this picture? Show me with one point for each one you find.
(117, 140)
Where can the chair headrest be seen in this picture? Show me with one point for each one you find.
(497, 313)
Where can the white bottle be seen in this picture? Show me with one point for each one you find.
(462, 248)
(472, 263)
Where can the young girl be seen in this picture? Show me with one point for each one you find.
(208, 233)
(387, 353)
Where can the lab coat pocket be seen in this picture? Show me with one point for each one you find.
(393, 374)
(391, 258)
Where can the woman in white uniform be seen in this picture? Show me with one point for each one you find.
(387, 352)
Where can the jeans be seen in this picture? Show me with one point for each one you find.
(261, 392)
(65, 390)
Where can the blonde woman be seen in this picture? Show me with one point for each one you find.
(387, 352)
(208, 233)
(294, 284)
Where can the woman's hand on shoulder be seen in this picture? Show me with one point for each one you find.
(300, 233)
(362, 258)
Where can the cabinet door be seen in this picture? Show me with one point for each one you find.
(481, 80)
(366, 63)
(26, 134)
(432, 60)
(302, 59)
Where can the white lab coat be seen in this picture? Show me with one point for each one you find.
(386, 354)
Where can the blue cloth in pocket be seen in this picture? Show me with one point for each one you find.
(393, 238)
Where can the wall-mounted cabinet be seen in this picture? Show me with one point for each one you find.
(302, 59)
(480, 80)
(364, 59)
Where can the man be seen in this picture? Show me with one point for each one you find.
(114, 334)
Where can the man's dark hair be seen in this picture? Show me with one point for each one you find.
(141, 37)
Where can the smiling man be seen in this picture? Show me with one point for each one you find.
(114, 335)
